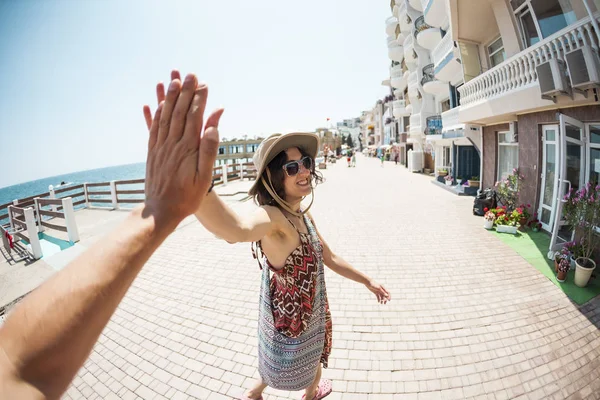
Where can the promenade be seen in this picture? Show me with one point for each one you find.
(469, 317)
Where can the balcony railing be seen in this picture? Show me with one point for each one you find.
(421, 25)
(399, 104)
(520, 70)
(434, 125)
(397, 72)
(450, 118)
(445, 46)
(428, 75)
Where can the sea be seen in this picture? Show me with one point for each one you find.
(116, 173)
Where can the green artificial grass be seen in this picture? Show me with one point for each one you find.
(533, 247)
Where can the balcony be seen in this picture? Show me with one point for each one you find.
(396, 75)
(395, 51)
(413, 83)
(431, 84)
(447, 66)
(416, 4)
(435, 12)
(433, 125)
(450, 121)
(400, 109)
(415, 125)
(409, 49)
(405, 22)
(427, 36)
(513, 87)
(390, 25)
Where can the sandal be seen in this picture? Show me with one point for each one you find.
(323, 390)
(244, 397)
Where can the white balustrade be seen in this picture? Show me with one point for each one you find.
(520, 70)
(450, 118)
(396, 72)
(446, 45)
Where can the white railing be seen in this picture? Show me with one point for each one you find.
(409, 41)
(450, 118)
(520, 70)
(413, 78)
(401, 8)
(399, 104)
(396, 72)
(442, 49)
(415, 121)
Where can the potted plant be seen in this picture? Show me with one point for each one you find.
(582, 212)
(458, 180)
(506, 222)
(448, 179)
(573, 250)
(535, 223)
(489, 219)
(474, 181)
(524, 215)
(508, 189)
(562, 269)
(442, 172)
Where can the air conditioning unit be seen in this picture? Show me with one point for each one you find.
(552, 77)
(584, 68)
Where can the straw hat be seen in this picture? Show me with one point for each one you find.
(275, 144)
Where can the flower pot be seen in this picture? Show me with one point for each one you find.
(523, 223)
(583, 273)
(535, 229)
(555, 266)
(506, 229)
(473, 183)
(572, 260)
(561, 276)
(442, 173)
(488, 224)
(448, 183)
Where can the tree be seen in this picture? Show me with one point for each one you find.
(344, 138)
(349, 141)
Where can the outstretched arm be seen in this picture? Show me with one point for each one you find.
(52, 331)
(216, 215)
(340, 266)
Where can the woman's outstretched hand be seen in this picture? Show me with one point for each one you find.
(383, 296)
(181, 148)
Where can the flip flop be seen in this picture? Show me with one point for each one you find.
(323, 390)
(244, 397)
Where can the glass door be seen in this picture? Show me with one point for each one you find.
(572, 174)
(549, 177)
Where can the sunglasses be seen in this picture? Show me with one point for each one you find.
(293, 167)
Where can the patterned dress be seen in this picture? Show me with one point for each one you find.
(294, 329)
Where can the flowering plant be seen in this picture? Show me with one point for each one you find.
(535, 223)
(489, 215)
(582, 212)
(573, 249)
(508, 189)
(564, 265)
(449, 178)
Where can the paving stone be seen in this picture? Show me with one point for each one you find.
(481, 323)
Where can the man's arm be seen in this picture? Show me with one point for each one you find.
(50, 335)
(51, 332)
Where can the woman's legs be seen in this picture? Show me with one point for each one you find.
(257, 389)
(311, 391)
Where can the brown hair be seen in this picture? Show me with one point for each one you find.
(262, 197)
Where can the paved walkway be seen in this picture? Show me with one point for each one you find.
(469, 318)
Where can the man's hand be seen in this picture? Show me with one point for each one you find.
(181, 149)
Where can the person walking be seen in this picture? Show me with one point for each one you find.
(295, 327)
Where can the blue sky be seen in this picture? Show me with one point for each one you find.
(75, 74)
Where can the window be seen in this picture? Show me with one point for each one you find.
(446, 105)
(251, 148)
(496, 53)
(508, 155)
(539, 19)
(446, 161)
(221, 150)
(594, 153)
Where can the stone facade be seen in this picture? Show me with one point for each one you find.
(529, 131)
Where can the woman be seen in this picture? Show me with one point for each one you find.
(295, 324)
